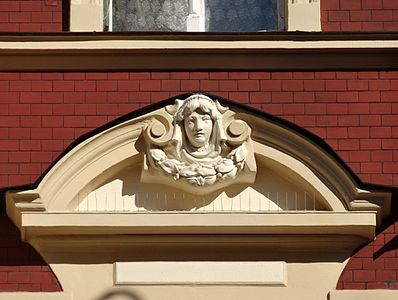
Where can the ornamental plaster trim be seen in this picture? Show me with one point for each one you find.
(131, 141)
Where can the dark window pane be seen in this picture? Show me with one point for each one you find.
(241, 15)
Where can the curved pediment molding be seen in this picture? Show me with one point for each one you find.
(279, 169)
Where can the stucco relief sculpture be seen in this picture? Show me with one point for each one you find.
(200, 146)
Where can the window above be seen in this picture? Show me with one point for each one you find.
(194, 15)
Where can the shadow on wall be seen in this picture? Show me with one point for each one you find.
(20, 264)
(120, 295)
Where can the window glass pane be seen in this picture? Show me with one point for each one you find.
(149, 15)
(241, 15)
(171, 15)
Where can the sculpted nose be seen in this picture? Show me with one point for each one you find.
(198, 125)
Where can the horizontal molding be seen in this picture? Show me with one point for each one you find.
(104, 52)
(36, 296)
(201, 272)
(320, 223)
(363, 294)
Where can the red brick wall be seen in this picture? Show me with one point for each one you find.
(30, 15)
(376, 265)
(359, 15)
(355, 112)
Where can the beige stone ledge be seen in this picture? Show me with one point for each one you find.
(184, 44)
(363, 295)
(355, 223)
(35, 296)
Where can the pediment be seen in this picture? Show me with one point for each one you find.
(260, 166)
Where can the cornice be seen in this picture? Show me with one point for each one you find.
(191, 52)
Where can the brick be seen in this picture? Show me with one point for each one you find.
(368, 74)
(209, 85)
(315, 109)
(281, 96)
(170, 85)
(107, 85)
(9, 121)
(347, 97)
(271, 85)
(339, 16)
(149, 85)
(336, 133)
(350, 4)
(8, 287)
(64, 86)
(358, 132)
(305, 121)
(304, 97)
(185, 75)
(346, 276)
(237, 75)
(326, 121)
(347, 144)
(376, 285)
(389, 120)
(293, 109)
(372, 4)
(331, 5)
(292, 85)
(372, 167)
(359, 156)
(336, 85)
(370, 120)
(41, 109)
(191, 85)
(372, 26)
(364, 275)
(260, 97)
(74, 121)
(20, 133)
(383, 275)
(358, 85)
(390, 4)
(202, 75)
(390, 167)
(41, 17)
(52, 97)
(370, 144)
(380, 132)
(9, 5)
(31, 121)
(42, 86)
(88, 85)
(325, 96)
(43, 157)
(360, 15)
(358, 108)
(248, 85)
(351, 26)
(390, 143)
(41, 133)
(31, 97)
(258, 75)
(19, 17)
(95, 97)
(228, 85)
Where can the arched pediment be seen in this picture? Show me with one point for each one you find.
(147, 164)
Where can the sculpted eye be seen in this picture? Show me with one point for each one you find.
(206, 118)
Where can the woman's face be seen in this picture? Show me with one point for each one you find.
(198, 128)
